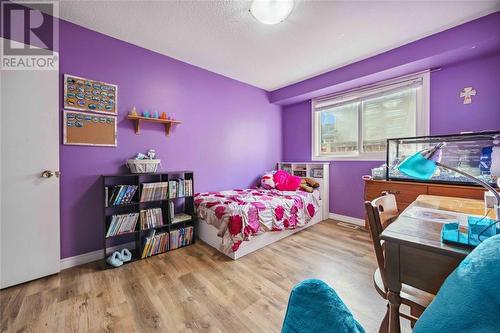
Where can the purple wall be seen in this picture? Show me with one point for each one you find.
(229, 134)
(468, 55)
(448, 115)
(472, 39)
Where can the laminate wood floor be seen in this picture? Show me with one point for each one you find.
(196, 289)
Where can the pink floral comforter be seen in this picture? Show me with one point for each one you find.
(240, 214)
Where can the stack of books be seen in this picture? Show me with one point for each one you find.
(180, 217)
(119, 194)
(155, 243)
(181, 237)
(121, 224)
(154, 191)
(178, 188)
(151, 218)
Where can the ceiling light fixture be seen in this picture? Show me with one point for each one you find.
(271, 11)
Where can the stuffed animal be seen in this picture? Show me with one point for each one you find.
(305, 187)
(311, 182)
(308, 184)
(267, 181)
(285, 181)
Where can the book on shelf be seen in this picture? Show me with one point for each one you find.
(151, 218)
(122, 223)
(171, 208)
(172, 189)
(106, 196)
(119, 194)
(188, 187)
(181, 237)
(154, 191)
(155, 243)
(178, 188)
(300, 173)
(180, 217)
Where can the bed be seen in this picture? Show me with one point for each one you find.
(240, 221)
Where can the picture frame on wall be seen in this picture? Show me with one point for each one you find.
(83, 94)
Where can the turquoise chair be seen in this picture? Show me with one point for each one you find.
(468, 301)
(315, 307)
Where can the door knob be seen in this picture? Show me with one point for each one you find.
(49, 173)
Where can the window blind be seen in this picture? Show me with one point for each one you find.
(357, 123)
(326, 102)
(392, 115)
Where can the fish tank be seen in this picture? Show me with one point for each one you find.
(477, 154)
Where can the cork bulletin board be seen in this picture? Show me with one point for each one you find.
(89, 95)
(89, 129)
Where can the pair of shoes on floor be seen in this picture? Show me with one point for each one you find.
(118, 258)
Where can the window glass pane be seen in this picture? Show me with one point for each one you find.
(390, 116)
(339, 130)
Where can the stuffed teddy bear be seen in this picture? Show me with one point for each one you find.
(308, 184)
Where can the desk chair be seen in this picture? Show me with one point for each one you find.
(380, 213)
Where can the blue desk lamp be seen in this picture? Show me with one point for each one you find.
(423, 164)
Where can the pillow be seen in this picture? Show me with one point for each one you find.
(267, 181)
(285, 181)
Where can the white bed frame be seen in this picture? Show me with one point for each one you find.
(208, 233)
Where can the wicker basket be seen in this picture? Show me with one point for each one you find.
(143, 166)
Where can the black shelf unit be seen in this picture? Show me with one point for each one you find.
(184, 203)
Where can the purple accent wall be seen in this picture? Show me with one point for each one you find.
(472, 39)
(229, 135)
(448, 115)
(468, 55)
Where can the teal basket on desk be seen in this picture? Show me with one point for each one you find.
(450, 233)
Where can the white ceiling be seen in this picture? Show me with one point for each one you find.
(318, 36)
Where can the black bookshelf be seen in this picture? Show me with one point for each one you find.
(182, 204)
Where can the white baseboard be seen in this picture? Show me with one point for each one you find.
(348, 219)
(91, 256)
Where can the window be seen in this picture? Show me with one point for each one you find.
(356, 125)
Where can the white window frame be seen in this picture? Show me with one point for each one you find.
(422, 116)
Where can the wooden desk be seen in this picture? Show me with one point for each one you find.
(415, 255)
(407, 192)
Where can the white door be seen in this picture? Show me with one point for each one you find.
(29, 225)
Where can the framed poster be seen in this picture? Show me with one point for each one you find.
(89, 95)
(85, 129)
